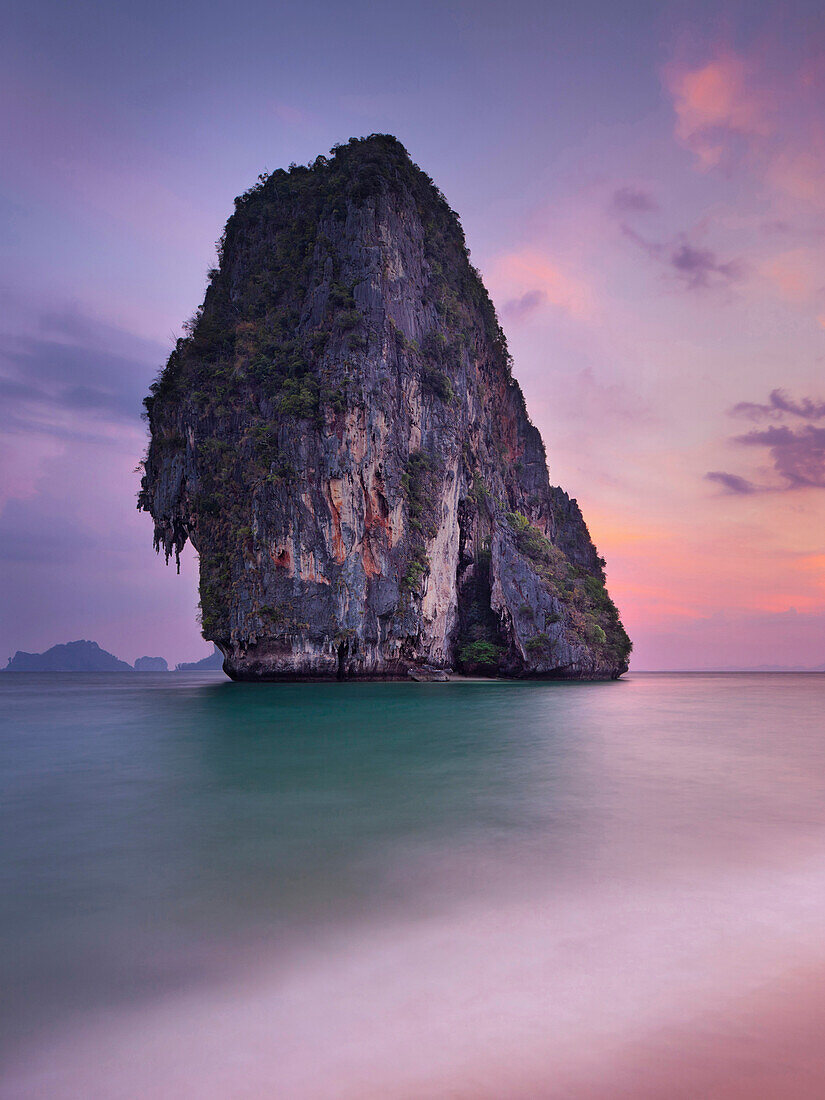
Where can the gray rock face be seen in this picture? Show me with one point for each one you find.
(424, 674)
(343, 442)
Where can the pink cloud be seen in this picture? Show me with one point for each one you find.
(800, 173)
(798, 274)
(527, 280)
(715, 104)
(754, 111)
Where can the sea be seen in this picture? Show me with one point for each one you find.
(399, 891)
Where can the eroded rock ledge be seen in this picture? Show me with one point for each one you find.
(341, 439)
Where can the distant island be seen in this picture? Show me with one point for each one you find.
(87, 656)
(747, 668)
(151, 664)
(82, 656)
(212, 663)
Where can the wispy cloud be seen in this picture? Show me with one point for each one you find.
(732, 482)
(755, 111)
(798, 274)
(719, 113)
(695, 267)
(67, 363)
(700, 266)
(535, 280)
(777, 405)
(67, 379)
(633, 200)
(519, 309)
(797, 455)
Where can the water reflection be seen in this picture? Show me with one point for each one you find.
(162, 827)
(170, 833)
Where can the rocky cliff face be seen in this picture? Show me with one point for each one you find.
(341, 439)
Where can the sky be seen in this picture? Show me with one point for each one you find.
(642, 186)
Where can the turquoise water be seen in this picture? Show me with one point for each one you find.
(482, 868)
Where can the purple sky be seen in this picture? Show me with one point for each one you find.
(642, 186)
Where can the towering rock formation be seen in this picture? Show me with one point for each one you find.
(341, 439)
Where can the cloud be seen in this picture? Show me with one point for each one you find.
(719, 111)
(755, 110)
(732, 482)
(798, 274)
(798, 456)
(76, 560)
(534, 280)
(696, 268)
(700, 265)
(69, 370)
(518, 309)
(776, 226)
(66, 379)
(755, 114)
(595, 406)
(778, 404)
(632, 200)
(29, 537)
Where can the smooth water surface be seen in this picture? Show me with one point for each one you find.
(410, 890)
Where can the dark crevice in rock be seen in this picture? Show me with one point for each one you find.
(478, 646)
(342, 659)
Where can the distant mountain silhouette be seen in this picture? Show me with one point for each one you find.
(82, 656)
(740, 668)
(212, 663)
(772, 668)
(151, 664)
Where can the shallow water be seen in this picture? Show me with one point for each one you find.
(405, 890)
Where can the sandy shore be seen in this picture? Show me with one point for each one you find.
(625, 995)
(771, 1047)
